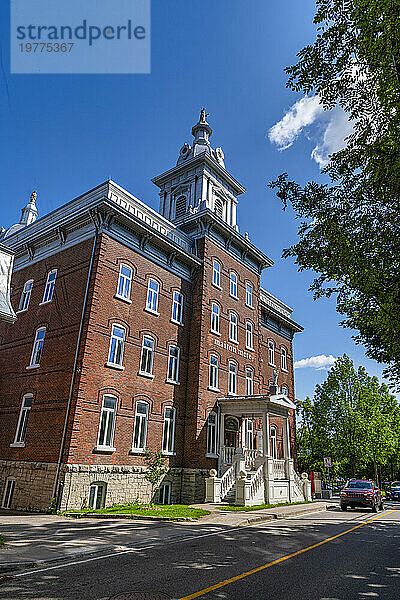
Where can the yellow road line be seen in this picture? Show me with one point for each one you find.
(278, 560)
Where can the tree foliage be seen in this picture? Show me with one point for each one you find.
(157, 466)
(354, 420)
(349, 231)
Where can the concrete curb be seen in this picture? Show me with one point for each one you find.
(287, 515)
(127, 516)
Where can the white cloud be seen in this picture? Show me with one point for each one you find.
(331, 128)
(303, 113)
(321, 362)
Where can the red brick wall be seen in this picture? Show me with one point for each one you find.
(50, 382)
(127, 385)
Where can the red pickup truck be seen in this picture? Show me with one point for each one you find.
(358, 492)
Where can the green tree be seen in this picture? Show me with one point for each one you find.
(349, 230)
(156, 468)
(353, 419)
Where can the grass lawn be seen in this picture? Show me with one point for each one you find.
(2, 540)
(261, 506)
(172, 511)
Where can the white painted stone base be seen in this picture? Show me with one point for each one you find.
(34, 484)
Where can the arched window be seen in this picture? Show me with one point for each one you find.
(147, 357)
(283, 359)
(212, 434)
(117, 342)
(249, 335)
(140, 431)
(168, 432)
(232, 382)
(215, 312)
(274, 444)
(233, 327)
(180, 207)
(249, 381)
(271, 353)
(213, 384)
(38, 347)
(97, 494)
(26, 295)
(49, 288)
(233, 285)
(107, 422)
(216, 273)
(23, 420)
(124, 282)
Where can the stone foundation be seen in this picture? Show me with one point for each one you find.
(34, 484)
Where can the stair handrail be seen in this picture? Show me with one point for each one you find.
(256, 481)
(228, 480)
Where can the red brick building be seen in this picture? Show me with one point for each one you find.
(139, 329)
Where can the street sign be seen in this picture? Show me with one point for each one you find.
(327, 461)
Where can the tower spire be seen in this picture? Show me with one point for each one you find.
(29, 213)
(202, 131)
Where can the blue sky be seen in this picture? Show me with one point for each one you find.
(64, 134)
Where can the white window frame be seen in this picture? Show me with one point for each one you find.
(177, 308)
(232, 377)
(214, 373)
(249, 381)
(96, 486)
(249, 427)
(10, 495)
(37, 349)
(284, 359)
(140, 427)
(271, 353)
(233, 327)
(153, 296)
(165, 493)
(215, 318)
(274, 442)
(25, 296)
(249, 295)
(217, 271)
(24, 414)
(285, 390)
(212, 434)
(149, 352)
(117, 345)
(168, 441)
(249, 335)
(173, 363)
(49, 287)
(124, 285)
(110, 416)
(233, 285)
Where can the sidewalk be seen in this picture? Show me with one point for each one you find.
(35, 540)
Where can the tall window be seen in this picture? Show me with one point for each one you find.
(249, 434)
(169, 430)
(212, 433)
(8, 493)
(124, 282)
(173, 364)
(283, 359)
(249, 335)
(26, 295)
(232, 382)
(215, 311)
(233, 327)
(284, 390)
(153, 292)
(97, 495)
(37, 347)
(117, 341)
(249, 381)
(271, 353)
(49, 289)
(147, 358)
(23, 419)
(214, 371)
(107, 422)
(177, 308)
(249, 294)
(140, 431)
(274, 445)
(216, 273)
(233, 285)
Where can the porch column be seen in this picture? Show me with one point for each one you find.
(221, 435)
(244, 421)
(286, 438)
(266, 440)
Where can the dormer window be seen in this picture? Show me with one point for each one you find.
(180, 208)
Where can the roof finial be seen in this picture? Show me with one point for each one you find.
(203, 115)
(33, 196)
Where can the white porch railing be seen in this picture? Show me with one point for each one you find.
(278, 469)
(250, 457)
(257, 482)
(228, 480)
(228, 453)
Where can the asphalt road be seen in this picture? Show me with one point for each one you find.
(321, 556)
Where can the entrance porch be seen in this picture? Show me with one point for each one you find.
(254, 458)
